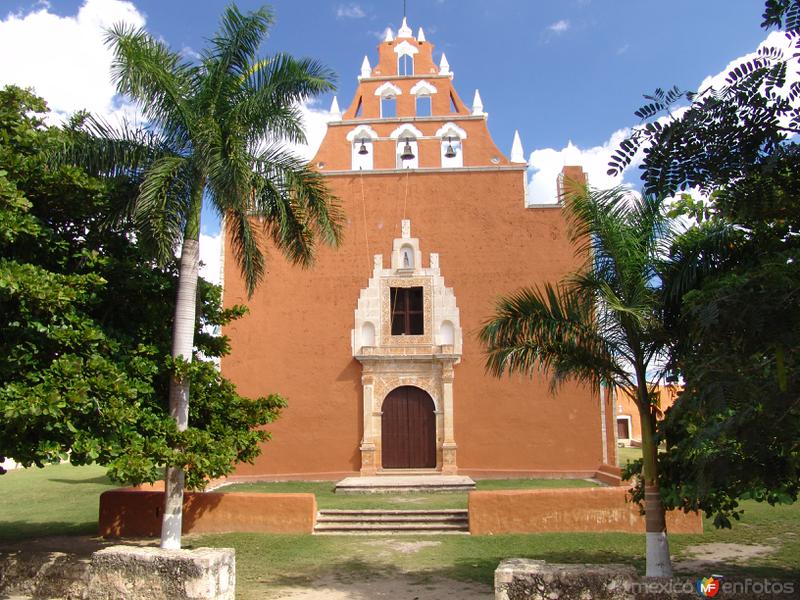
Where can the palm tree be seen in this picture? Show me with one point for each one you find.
(217, 131)
(602, 325)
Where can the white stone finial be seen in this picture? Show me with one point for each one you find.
(444, 66)
(405, 229)
(517, 153)
(421, 35)
(366, 68)
(405, 30)
(377, 262)
(389, 37)
(434, 260)
(335, 111)
(477, 104)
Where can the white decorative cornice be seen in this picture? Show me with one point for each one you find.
(361, 132)
(405, 48)
(406, 130)
(423, 88)
(451, 130)
(388, 89)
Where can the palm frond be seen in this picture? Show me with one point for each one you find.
(550, 330)
(104, 150)
(247, 251)
(157, 79)
(162, 205)
(272, 91)
(233, 51)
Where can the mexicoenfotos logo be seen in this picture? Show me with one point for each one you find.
(708, 587)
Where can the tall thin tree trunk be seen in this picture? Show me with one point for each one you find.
(658, 562)
(182, 345)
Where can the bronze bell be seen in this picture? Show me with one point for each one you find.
(363, 149)
(407, 154)
(450, 151)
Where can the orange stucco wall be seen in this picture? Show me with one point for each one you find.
(296, 339)
(133, 512)
(584, 509)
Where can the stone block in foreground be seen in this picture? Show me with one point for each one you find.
(158, 574)
(523, 579)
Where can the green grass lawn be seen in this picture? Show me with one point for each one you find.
(55, 500)
(326, 498)
(626, 455)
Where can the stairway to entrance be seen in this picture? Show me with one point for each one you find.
(390, 522)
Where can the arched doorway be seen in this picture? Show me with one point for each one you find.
(408, 430)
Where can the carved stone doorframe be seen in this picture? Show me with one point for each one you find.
(434, 375)
(390, 361)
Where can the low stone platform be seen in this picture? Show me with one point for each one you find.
(386, 484)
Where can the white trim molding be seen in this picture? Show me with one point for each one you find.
(406, 130)
(423, 88)
(451, 130)
(361, 132)
(388, 89)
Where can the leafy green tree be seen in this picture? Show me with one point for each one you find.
(84, 331)
(218, 131)
(600, 325)
(732, 302)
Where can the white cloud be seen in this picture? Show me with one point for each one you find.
(211, 257)
(775, 39)
(546, 164)
(350, 11)
(64, 58)
(315, 124)
(559, 26)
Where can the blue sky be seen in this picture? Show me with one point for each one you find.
(559, 71)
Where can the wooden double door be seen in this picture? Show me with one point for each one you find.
(408, 430)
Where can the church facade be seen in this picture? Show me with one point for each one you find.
(376, 347)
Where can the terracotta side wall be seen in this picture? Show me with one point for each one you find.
(137, 513)
(296, 339)
(585, 509)
(624, 406)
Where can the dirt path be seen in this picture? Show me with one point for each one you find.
(391, 588)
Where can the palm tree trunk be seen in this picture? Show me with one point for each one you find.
(657, 554)
(182, 345)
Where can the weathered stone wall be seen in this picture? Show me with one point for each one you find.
(153, 574)
(523, 579)
(143, 573)
(582, 509)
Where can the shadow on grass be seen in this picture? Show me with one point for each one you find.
(102, 480)
(14, 531)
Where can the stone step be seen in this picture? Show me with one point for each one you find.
(394, 511)
(383, 522)
(390, 519)
(401, 481)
